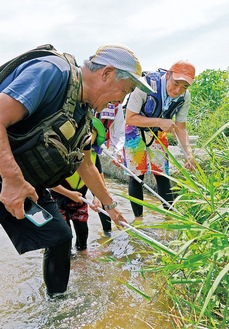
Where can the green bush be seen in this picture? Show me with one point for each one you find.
(209, 103)
(208, 90)
(209, 124)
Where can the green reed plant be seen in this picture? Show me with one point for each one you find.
(210, 102)
(196, 276)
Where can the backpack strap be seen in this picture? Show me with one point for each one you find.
(174, 108)
(10, 66)
(153, 106)
(75, 77)
(74, 85)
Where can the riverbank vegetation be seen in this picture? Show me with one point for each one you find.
(209, 106)
(195, 275)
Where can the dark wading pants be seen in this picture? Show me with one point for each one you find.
(56, 267)
(55, 237)
(135, 190)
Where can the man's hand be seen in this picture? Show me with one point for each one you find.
(13, 194)
(166, 125)
(119, 160)
(190, 164)
(14, 187)
(116, 216)
(96, 204)
(74, 195)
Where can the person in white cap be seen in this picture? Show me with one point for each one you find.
(149, 117)
(50, 93)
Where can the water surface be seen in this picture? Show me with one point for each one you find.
(96, 297)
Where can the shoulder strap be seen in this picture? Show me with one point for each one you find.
(10, 66)
(75, 78)
(153, 106)
(174, 108)
(74, 84)
(154, 80)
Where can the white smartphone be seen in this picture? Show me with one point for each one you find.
(36, 214)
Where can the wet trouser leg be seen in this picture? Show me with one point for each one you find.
(81, 229)
(105, 221)
(56, 267)
(164, 189)
(135, 190)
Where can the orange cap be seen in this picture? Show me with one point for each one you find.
(183, 70)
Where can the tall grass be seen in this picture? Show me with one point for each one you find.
(196, 276)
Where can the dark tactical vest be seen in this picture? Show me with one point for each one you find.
(52, 150)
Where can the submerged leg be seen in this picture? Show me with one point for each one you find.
(56, 267)
(164, 189)
(135, 190)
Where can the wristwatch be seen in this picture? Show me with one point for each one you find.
(111, 206)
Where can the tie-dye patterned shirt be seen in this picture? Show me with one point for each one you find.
(142, 159)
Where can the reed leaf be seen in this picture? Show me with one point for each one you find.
(135, 289)
(212, 290)
(150, 241)
(219, 131)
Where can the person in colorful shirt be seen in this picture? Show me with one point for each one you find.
(148, 120)
(68, 194)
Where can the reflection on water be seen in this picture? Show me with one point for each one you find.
(96, 297)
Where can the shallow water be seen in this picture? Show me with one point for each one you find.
(96, 297)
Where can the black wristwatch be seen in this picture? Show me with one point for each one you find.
(111, 206)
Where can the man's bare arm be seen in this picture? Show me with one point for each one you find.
(14, 187)
(135, 119)
(90, 175)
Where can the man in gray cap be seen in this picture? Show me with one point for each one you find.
(55, 89)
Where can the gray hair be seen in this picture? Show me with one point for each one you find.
(120, 74)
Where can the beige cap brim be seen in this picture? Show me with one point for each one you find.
(142, 84)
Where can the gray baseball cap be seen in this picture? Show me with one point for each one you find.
(122, 58)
